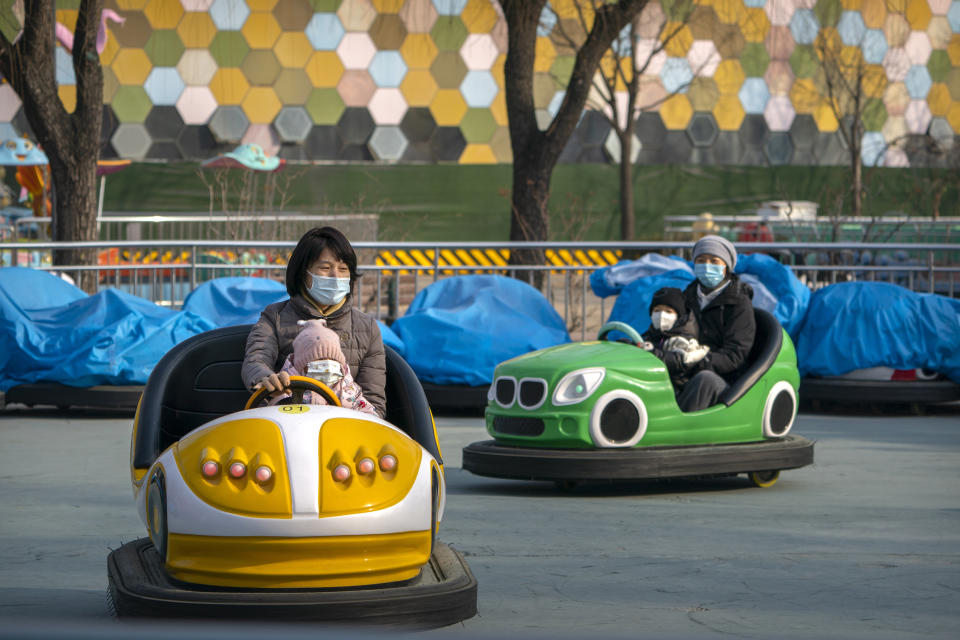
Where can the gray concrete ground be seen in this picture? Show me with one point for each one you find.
(864, 543)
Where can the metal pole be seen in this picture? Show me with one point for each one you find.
(193, 267)
(583, 306)
(379, 288)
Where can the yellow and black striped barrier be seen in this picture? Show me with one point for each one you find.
(448, 260)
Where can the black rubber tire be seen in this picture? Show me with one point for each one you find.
(638, 463)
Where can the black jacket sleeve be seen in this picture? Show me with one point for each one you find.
(739, 330)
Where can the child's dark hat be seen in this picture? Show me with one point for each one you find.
(672, 297)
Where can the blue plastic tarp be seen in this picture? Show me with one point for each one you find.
(775, 288)
(52, 331)
(458, 329)
(855, 325)
(227, 302)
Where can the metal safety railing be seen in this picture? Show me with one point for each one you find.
(149, 227)
(751, 226)
(165, 271)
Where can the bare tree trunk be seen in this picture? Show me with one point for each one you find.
(535, 152)
(857, 172)
(70, 140)
(529, 220)
(626, 182)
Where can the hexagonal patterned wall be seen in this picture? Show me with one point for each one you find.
(732, 81)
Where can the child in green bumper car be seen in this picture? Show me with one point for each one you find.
(672, 335)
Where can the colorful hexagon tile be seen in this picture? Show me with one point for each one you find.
(388, 69)
(229, 15)
(229, 48)
(387, 106)
(196, 105)
(325, 31)
(418, 16)
(164, 86)
(419, 87)
(356, 87)
(448, 107)
(196, 67)
(324, 69)
(293, 50)
(261, 105)
(325, 106)
(779, 113)
(388, 144)
(196, 30)
(728, 112)
(356, 15)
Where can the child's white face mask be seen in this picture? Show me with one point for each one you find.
(326, 371)
(663, 320)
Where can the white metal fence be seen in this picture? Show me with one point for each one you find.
(165, 271)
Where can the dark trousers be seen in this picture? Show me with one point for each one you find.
(703, 390)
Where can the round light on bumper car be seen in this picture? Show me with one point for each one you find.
(577, 386)
(341, 473)
(618, 419)
(388, 463)
(210, 469)
(366, 466)
(263, 473)
(237, 469)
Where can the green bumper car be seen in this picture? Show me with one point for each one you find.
(606, 411)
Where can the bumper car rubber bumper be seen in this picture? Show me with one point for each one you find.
(445, 592)
(879, 391)
(488, 458)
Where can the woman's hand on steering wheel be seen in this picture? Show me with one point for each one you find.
(275, 383)
(296, 385)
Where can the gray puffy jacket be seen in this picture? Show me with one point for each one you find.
(271, 341)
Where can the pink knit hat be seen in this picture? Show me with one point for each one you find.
(316, 342)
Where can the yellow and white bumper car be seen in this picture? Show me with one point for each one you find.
(293, 511)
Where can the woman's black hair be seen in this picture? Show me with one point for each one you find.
(310, 247)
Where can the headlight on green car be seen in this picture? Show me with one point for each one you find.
(577, 386)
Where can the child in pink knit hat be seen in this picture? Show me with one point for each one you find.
(317, 354)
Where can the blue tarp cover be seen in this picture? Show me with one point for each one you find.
(458, 329)
(227, 302)
(775, 288)
(855, 325)
(52, 331)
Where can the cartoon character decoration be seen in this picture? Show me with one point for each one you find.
(246, 156)
(32, 172)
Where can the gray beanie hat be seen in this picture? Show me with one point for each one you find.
(717, 246)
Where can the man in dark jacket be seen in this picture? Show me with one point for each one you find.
(723, 308)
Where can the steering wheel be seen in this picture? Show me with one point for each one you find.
(622, 327)
(298, 384)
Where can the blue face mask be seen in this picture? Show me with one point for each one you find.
(709, 275)
(326, 290)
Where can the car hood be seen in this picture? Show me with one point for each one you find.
(556, 361)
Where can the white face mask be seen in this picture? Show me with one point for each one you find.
(326, 371)
(327, 290)
(663, 320)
